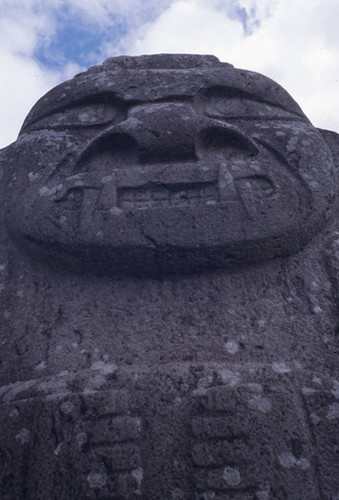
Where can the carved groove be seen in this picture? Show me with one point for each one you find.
(170, 195)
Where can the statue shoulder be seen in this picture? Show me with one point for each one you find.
(332, 253)
(4, 158)
(332, 139)
(5, 154)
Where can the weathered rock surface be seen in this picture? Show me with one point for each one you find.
(169, 289)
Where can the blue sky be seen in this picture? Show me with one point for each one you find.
(44, 42)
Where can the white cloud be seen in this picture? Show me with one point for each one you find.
(295, 42)
(298, 45)
(188, 26)
(22, 83)
(23, 26)
(26, 25)
(99, 11)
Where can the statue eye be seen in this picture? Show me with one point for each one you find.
(82, 115)
(94, 114)
(226, 102)
(235, 107)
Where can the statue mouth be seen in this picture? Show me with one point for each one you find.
(171, 217)
(148, 187)
(153, 195)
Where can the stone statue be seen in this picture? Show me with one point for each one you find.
(169, 289)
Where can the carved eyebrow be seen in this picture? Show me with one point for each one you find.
(48, 106)
(45, 109)
(234, 93)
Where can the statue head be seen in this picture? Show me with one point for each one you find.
(167, 163)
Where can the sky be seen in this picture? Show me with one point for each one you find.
(45, 42)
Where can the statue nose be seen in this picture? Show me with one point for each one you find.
(168, 133)
(174, 132)
(163, 132)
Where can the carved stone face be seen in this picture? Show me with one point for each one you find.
(168, 164)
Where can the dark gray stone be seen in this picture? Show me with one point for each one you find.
(169, 289)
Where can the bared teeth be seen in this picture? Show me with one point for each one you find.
(88, 206)
(226, 186)
(107, 197)
(245, 191)
(79, 182)
(206, 186)
(169, 195)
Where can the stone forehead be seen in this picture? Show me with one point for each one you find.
(161, 76)
(159, 61)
